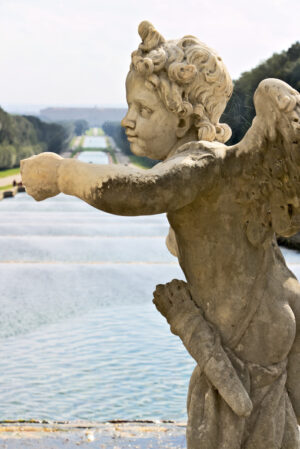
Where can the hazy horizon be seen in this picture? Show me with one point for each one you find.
(36, 108)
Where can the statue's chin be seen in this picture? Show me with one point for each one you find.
(139, 150)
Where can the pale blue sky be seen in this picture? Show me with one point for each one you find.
(77, 52)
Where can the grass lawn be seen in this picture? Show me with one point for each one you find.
(72, 143)
(9, 172)
(90, 132)
(8, 187)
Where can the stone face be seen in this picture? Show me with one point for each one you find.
(237, 314)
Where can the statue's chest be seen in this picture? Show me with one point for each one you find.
(270, 334)
(226, 313)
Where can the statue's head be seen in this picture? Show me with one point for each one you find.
(175, 89)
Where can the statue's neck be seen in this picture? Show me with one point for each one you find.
(190, 136)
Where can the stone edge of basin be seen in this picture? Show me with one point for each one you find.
(90, 431)
(11, 192)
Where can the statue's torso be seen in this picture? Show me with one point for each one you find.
(239, 287)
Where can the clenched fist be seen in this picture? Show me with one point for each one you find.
(40, 175)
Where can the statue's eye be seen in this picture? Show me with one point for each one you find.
(145, 111)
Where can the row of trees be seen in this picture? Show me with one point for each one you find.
(24, 136)
(240, 109)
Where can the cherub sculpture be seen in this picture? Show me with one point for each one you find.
(236, 314)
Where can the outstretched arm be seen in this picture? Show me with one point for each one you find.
(118, 189)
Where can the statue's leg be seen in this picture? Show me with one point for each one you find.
(273, 423)
(291, 437)
(211, 422)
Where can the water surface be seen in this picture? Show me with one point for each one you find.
(93, 157)
(94, 142)
(79, 335)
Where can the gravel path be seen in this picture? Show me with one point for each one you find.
(9, 180)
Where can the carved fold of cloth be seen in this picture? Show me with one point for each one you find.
(272, 424)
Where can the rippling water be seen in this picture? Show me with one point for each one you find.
(79, 335)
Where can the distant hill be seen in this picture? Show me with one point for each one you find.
(94, 116)
(24, 136)
(240, 109)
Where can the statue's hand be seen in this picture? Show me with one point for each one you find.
(39, 175)
(173, 300)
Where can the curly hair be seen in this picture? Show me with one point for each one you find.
(189, 77)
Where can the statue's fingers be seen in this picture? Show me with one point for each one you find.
(176, 284)
(185, 295)
(172, 291)
(162, 294)
(23, 171)
(160, 307)
(159, 289)
(182, 296)
(163, 305)
(162, 301)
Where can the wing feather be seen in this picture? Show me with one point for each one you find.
(270, 155)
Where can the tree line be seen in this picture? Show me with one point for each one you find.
(240, 109)
(25, 136)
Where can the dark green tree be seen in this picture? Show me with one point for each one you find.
(240, 109)
(24, 136)
(80, 127)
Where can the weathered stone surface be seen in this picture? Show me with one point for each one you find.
(237, 313)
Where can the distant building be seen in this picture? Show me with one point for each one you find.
(94, 116)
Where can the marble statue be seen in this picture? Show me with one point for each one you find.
(236, 313)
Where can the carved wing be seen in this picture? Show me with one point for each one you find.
(269, 155)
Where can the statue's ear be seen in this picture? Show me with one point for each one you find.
(183, 126)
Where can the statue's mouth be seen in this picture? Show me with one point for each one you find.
(131, 138)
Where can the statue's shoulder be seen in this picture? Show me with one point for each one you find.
(191, 159)
(203, 148)
(198, 151)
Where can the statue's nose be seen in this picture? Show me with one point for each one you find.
(127, 123)
(129, 119)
